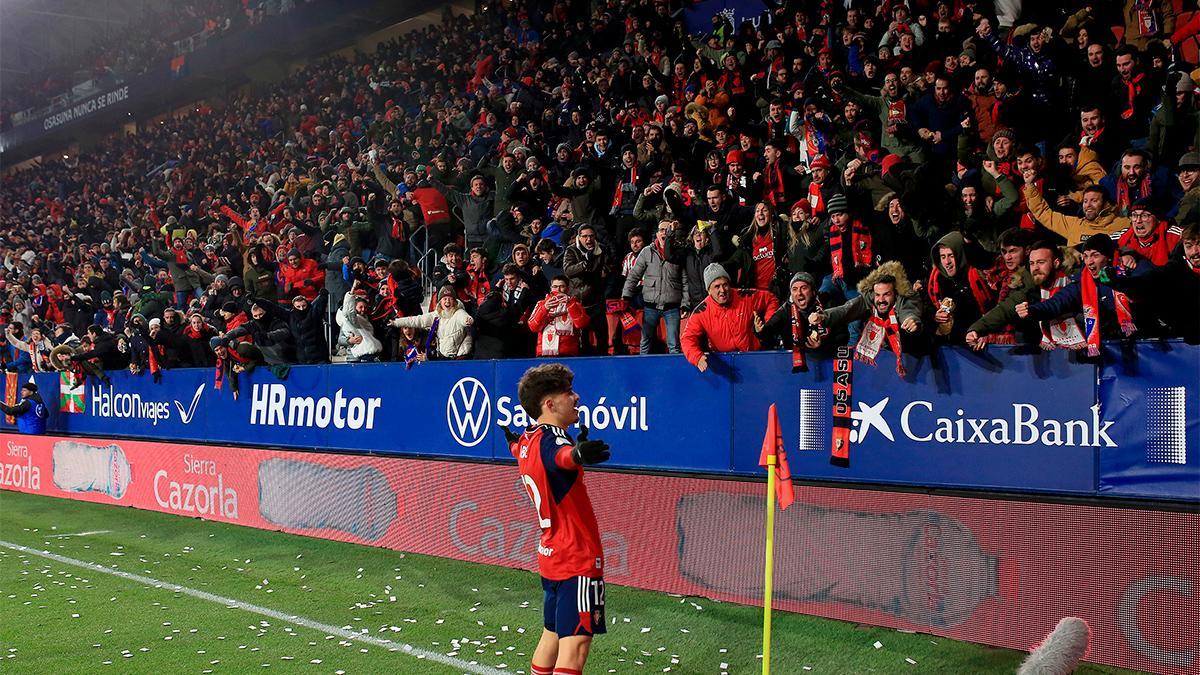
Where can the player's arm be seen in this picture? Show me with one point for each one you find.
(584, 452)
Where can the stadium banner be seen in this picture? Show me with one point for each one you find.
(958, 419)
(998, 572)
(1152, 395)
(993, 421)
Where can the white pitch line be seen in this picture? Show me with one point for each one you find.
(264, 611)
(79, 534)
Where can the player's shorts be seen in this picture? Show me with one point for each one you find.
(573, 606)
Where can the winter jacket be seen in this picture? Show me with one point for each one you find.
(726, 328)
(586, 270)
(475, 212)
(305, 280)
(260, 281)
(898, 134)
(1068, 301)
(270, 334)
(335, 283)
(908, 305)
(967, 308)
(1004, 314)
(496, 324)
(1075, 229)
(777, 332)
(106, 350)
(1163, 21)
(308, 331)
(454, 340)
(661, 279)
(352, 323)
(694, 263)
(745, 255)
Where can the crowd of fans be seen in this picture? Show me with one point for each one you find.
(572, 179)
(132, 49)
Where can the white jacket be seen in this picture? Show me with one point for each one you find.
(353, 323)
(454, 338)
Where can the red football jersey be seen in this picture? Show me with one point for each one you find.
(570, 542)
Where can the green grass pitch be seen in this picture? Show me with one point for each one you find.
(58, 617)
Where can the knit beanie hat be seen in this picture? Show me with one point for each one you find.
(446, 291)
(837, 204)
(713, 272)
(805, 277)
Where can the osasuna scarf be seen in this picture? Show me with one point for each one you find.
(399, 229)
(1146, 17)
(561, 325)
(843, 399)
(979, 289)
(799, 329)
(816, 200)
(224, 369)
(1132, 89)
(773, 187)
(1125, 199)
(871, 340)
(479, 286)
(857, 246)
(1091, 313)
(621, 188)
(1060, 332)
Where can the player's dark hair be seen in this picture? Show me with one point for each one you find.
(540, 382)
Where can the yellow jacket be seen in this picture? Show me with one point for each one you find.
(1075, 228)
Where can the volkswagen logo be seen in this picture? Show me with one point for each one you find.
(468, 412)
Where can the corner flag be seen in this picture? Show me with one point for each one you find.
(773, 445)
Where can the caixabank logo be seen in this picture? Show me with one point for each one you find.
(922, 421)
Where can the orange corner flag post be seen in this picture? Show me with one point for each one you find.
(779, 482)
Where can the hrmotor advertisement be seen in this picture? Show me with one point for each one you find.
(998, 420)
(990, 571)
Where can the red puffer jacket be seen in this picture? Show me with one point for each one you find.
(306, 280)
(726, 328)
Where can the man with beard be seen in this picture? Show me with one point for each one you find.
(788, 327)
(1136, 180)
(887, 308)
(586, 263)
(1098, 215)
(727, 216)
(1026, 283)
(1063, 300)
